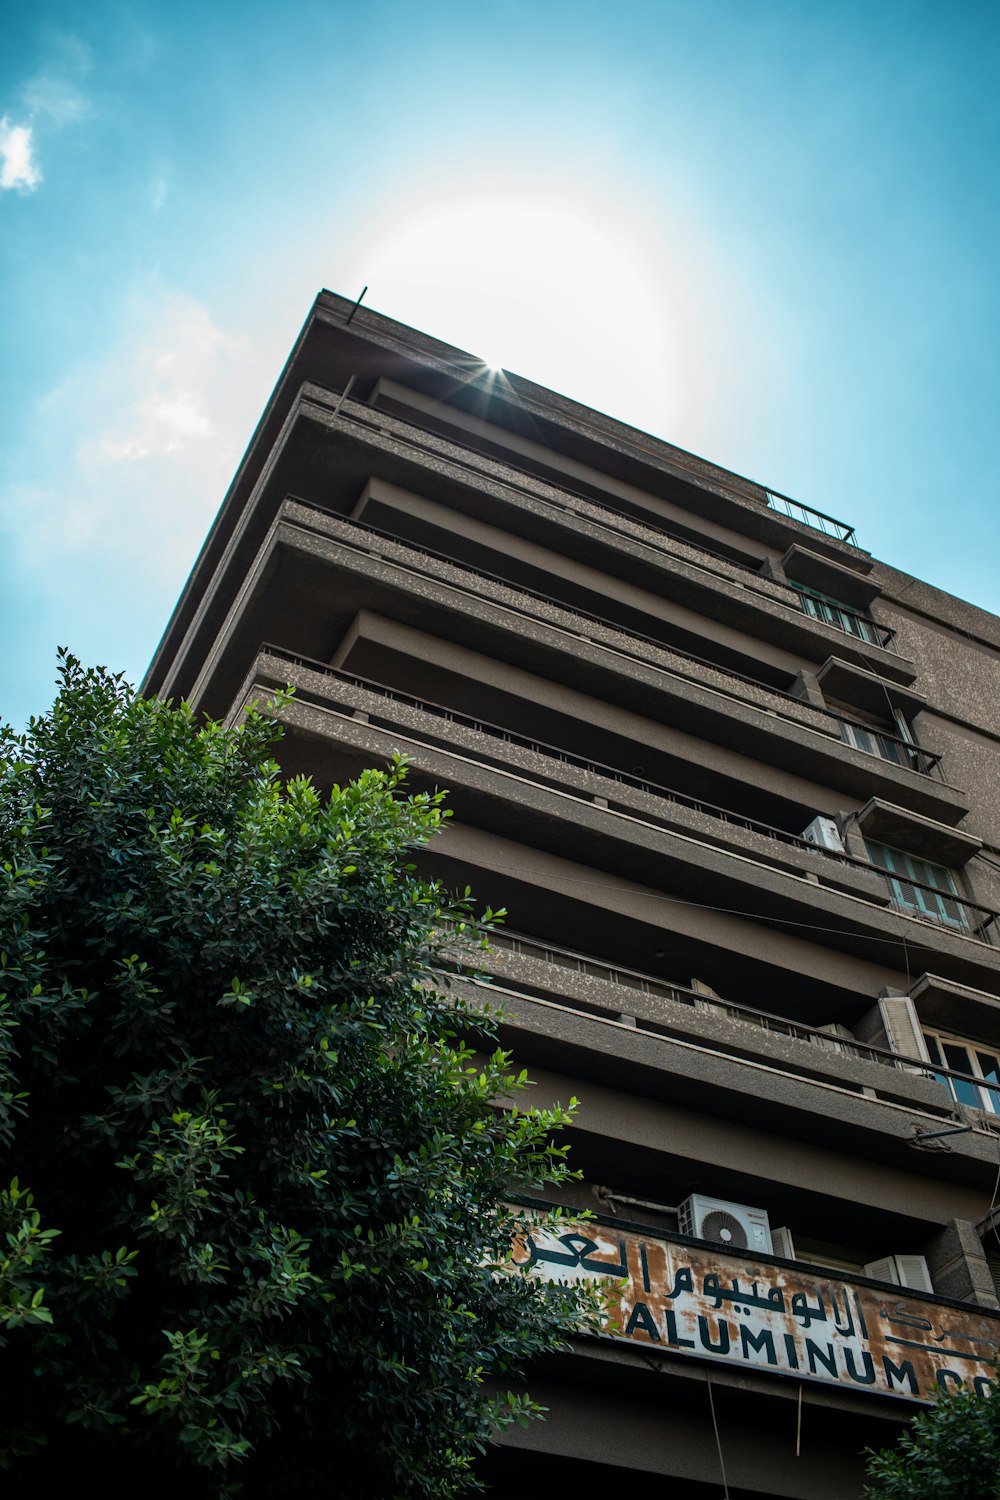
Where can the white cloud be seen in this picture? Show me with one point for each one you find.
(132, 455)
(108, 496)
(18, 168)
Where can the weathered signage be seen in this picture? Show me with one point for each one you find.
(705, 1302)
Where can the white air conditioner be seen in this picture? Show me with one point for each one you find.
(732, 1225)
(825, 833)
(902, 1270)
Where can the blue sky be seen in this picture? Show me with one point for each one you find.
(767, 230)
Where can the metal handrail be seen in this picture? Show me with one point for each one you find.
(766, 1020)
(870, 632)
(652, 523)
(976, 926)
(569, 757)
(809, 516)
(829, 525)
(913, 752)
(891, 748)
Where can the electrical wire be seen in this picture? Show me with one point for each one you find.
(718, 1440)
(993, 1201)
(730, 911)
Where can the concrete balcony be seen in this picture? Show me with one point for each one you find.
(588, 822)
(328, 451)
(532, 981)
(320, 583)
(674, 1096)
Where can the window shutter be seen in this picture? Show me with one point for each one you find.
(883, 1270)
(901, 1026)
(782, 1243)
(913, 1273)
(993, 1261)
(902, 1270)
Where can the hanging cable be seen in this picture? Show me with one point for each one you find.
(718, 1440)
(733, 911)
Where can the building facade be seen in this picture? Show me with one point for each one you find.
(737, 784)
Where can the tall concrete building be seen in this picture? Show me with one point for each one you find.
(738, 785)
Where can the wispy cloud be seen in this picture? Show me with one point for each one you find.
(50, 99)
(105, 501)
(55, 97)
(150, 434)
(18, 169)
(158, 191)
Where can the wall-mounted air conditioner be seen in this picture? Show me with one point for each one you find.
(825, 833)
(732, 1225)
(902, 1270)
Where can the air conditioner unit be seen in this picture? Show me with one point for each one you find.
(825, 833)
(902, 1270)
(732, 1225)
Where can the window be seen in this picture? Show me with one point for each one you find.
(874, 742)
(981, 1089)
(918, 886)
(830, 612)
(888, 738)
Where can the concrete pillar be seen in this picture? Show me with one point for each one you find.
(806, 686)
(958, 1266)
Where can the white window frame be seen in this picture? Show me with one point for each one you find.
(988, 1094)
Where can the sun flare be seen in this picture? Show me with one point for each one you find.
(570, 290)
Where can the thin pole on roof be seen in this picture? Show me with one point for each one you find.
(354, 309)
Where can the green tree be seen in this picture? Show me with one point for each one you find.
(252, 1221)
(950, 1452)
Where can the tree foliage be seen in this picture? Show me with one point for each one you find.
(951, 1452)
(252, 1183)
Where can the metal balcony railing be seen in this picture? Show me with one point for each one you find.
(818, 520)
(842, 617)
(887, 746)
(964, 918)
(929, 903)
(922, 761)
(794, 510)
(647, 984)
(370, 417)
(570, 758)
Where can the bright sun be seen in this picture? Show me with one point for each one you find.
(573, 293)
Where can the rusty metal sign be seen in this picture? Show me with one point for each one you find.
(705, 1302)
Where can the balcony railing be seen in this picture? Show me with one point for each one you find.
(842, 617)
(817, 519)
(887, 746)
(569, 758)
(929, 903)
(963, 917)
(372, 417)
(656, 988)
(921, 761)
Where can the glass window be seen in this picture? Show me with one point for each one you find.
(873, 742)
(831, 612)
(982, 1068)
